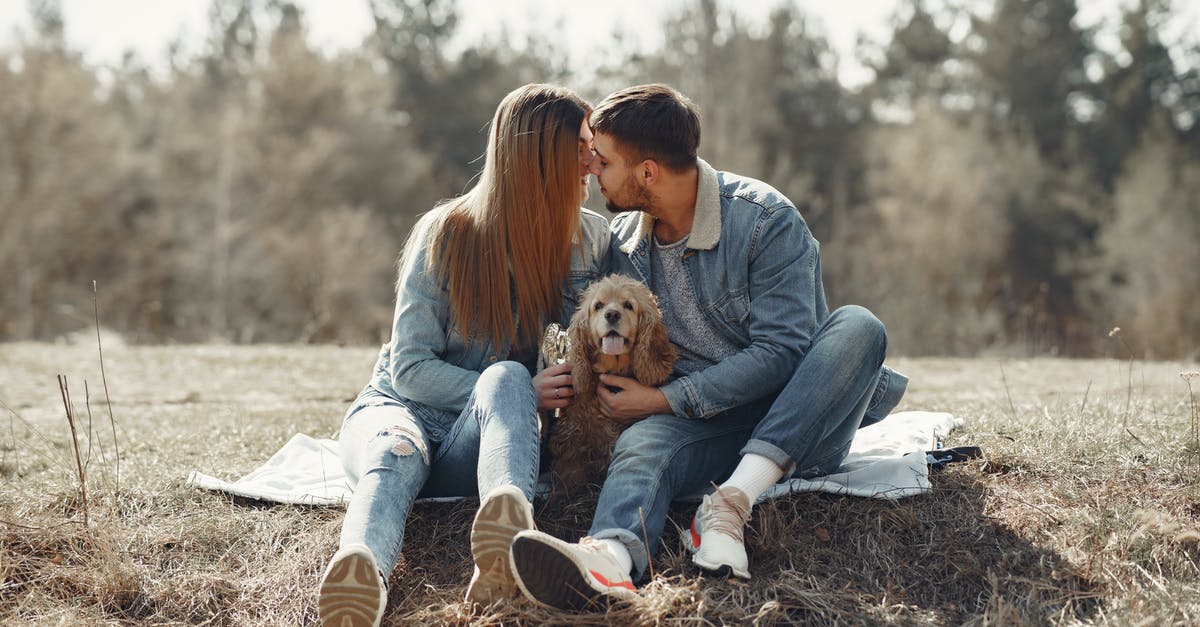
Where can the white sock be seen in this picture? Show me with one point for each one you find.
(619, 552)
(754, 475)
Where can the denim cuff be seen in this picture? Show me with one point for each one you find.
(888, 391)
(771, 452)
(676, 395)
(636, 549)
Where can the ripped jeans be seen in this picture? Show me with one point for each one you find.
(396, 456)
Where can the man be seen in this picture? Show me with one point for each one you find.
(769, 383)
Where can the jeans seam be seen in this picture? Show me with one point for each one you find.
(397, 547)
(533, 468)
(445, 445)
(881, 386)
(689, 395)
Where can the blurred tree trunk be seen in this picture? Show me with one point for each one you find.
(224, 228)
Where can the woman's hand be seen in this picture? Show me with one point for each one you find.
(553, 387)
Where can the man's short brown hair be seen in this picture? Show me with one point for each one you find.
(651, 122)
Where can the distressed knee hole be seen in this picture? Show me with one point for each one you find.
(409, 441)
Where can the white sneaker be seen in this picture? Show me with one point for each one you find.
(716, 537)
(352, 592)
(568, 576)
(502, 513)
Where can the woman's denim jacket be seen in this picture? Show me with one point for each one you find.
(756, 272)
(431, 369)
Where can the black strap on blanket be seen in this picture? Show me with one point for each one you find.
(939, 458)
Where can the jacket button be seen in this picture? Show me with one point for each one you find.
(492, 359)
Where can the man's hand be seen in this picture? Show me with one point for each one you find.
(552, 387)
(631, 401)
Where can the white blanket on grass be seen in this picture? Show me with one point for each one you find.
(886, 461)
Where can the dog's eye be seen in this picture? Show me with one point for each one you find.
(628, 305)
(598, 306)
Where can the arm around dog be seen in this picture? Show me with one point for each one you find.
(783, 281)
(631, 402)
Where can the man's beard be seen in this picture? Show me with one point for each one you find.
(615, 208)
(641, 200)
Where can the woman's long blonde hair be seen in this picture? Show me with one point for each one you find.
(508, 240)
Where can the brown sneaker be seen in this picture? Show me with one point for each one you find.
(503, 513)
(352, 592)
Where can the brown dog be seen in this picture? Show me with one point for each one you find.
(617, 329)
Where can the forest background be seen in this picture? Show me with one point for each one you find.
(1003, 185)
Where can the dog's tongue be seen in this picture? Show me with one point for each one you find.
(612, 345)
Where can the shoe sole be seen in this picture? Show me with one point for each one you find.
(350, 594)
(551, 578)
(724, 571)
(500, 518)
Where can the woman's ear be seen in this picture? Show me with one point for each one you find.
(653, 354)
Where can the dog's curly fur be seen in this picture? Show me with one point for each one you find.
(581, 440)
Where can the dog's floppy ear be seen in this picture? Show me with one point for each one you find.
(653, 354)
(582, 347)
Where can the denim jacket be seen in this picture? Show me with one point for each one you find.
(756, 271)
(431, 369)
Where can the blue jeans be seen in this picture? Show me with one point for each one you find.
(805, 428)
(386, 448)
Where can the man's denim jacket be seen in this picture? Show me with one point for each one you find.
(427, 365)
(756, 272)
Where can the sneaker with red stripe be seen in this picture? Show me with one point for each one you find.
(716, 535)
(568, 576)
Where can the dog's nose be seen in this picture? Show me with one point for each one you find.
(612, 316)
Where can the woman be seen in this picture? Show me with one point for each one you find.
(451, 407)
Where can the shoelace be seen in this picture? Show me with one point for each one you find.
(592, 544)
(725, 514)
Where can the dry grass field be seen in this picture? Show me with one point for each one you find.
(1084, 509)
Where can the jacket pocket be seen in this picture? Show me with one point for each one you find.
(733, 307)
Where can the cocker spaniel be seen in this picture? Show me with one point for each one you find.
(619, 330)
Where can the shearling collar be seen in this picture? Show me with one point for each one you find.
(706, 223)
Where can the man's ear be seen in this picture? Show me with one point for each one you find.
(649, 172)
